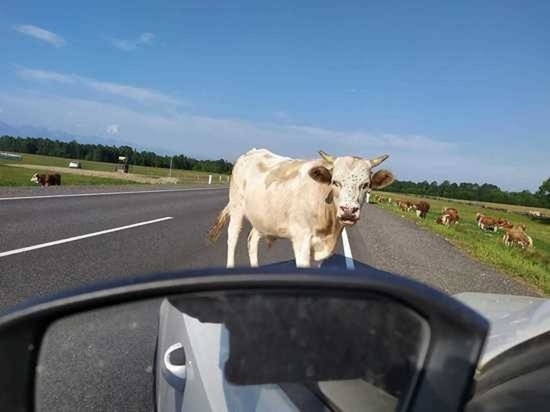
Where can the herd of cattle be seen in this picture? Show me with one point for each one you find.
(514, 235)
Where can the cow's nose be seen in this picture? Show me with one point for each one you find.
(349, 210)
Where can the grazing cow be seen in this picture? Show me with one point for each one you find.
(449, 216)
(448, 219)
(308, 202)
(405, 205)
(517, 236)
(486, 222)
(446, 210)
(422, 208)
(504, 224)
(48, 179)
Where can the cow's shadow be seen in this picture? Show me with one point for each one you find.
(336, 261)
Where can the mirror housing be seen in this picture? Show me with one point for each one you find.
(457, 333)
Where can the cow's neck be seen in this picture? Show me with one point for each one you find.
(328, 229)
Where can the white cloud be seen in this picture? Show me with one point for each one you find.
(45, 75)
(281, 115)
(412, 157)
(41, 34)
(144, 39)
(138, 94)
(112, 129)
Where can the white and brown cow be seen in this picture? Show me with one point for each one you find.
(449, 216)
(422, 208)
(47, 179)
(504, 223)
(449, 210)
(486, 222)
(516, 235)
(308, 202)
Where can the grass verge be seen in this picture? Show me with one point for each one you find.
(41, 160)
(16, 176)
(532, 266)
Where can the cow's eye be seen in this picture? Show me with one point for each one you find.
(364, 186)
(337, 184)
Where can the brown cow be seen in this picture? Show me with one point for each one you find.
(446, 210)
(504, 224)
(486, 222)
(48, 179)
(405, 205)
(422, 208)
(517, 236)
(451, 217)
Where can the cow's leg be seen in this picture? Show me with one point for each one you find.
(233, 231)
(302, 251)
(253, 240)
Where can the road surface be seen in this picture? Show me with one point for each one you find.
(104, 359)
(67, 240)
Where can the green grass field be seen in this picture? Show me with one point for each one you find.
(184, 176)
(15, 176)
(532, 266)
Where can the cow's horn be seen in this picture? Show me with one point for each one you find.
(326, 156)
(377, 160)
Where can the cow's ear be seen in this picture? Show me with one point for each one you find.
(320, 174)
(381, 179)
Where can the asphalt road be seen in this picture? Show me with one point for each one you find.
(380, 239)
(104, 359)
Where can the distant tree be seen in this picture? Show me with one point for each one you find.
(544, 191)
(103, 153)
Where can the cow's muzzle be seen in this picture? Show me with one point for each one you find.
(348, 215)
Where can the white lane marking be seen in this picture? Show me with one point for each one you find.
(72, 239)
(110, 193)
(347, 251)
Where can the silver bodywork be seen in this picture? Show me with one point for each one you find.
(199, 384)
(514, 319)
(202, 387)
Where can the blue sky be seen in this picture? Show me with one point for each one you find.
(451, 90)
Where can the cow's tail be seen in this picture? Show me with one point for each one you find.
(221, 221)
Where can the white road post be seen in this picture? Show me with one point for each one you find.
(172, 158)
(209, 179)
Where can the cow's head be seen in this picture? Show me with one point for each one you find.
(34, 178)
(350, 178)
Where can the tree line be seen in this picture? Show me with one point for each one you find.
(102, 153)
(105, 153)
(473, 191)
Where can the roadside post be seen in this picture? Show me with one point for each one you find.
(209, 179)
